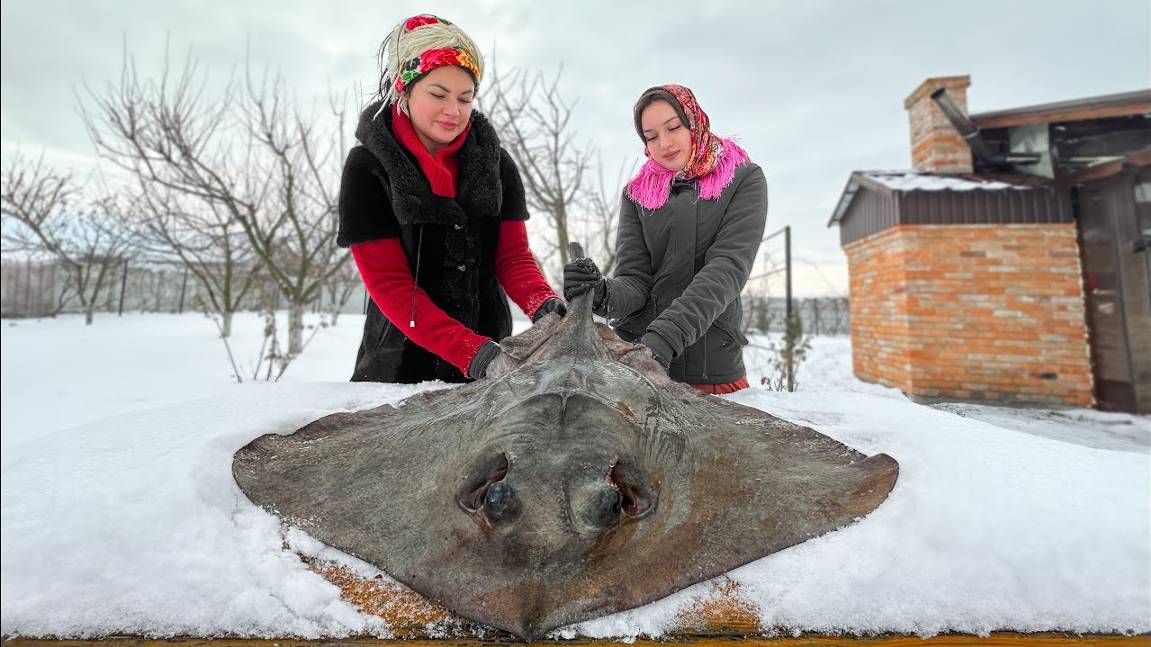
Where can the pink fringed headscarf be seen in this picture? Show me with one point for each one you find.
(712, 164)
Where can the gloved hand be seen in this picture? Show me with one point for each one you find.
(582, 275)
(659, 348)
(553, 304)
(490, 361)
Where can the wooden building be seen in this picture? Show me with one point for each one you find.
(1012, 264)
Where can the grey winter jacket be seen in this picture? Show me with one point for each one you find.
(679, 273)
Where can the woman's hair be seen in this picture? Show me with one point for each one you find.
(399, 57)
(650, 96)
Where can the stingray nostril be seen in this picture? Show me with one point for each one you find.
(501, 504)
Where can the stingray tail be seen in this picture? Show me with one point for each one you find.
(580, 306)
(579, 325)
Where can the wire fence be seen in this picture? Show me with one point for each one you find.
(767, 296)
(36, 288)
(818, 315)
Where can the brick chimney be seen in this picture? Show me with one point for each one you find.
(935, 144)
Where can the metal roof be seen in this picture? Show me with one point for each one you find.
(1107, 105)
(873, 201)
(917, 181)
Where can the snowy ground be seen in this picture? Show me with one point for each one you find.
(120, 514)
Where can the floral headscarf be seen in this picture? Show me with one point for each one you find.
(705, 146)
(419, 45)
(713, 159)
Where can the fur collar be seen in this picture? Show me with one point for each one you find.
(478, 189)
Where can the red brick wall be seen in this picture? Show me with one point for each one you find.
(982, 312)
(935, 144)
(878, 306)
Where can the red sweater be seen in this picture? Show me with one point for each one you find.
(388, 279)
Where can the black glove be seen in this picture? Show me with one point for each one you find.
(553, 304)
(489, 352)
(582, 276)
(659, 348)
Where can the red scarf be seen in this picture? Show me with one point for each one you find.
(442, 168)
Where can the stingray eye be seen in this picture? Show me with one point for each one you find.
(488, 472)
(501, 504)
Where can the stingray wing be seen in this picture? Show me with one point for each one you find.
(376, 484)
(752, 485)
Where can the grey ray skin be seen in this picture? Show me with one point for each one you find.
(579, 483)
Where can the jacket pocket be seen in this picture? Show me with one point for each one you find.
(388, 333)
(380, 355)
(722, 353)
(730, 331)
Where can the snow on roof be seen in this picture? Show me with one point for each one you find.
(922, 181)
(916, 181)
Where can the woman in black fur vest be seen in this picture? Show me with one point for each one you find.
(433, 211)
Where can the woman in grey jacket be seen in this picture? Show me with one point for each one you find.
(690, 225)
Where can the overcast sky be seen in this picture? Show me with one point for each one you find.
(813, 90)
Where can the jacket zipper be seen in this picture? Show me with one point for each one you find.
(705, 353)
(416, 278)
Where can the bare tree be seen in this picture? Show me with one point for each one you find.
(599, 216)
(248, 152)
(296, 238)
(534, 123)
(340, 289)
(33, 199)
(88, 240)
(203, 238)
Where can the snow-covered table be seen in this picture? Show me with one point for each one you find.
(132, 525)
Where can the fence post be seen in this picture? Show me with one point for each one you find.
(52, 299)
(183, 291)
(787, 321)
(123, 287)
(27, 288)
(40, 308)
(787, 264)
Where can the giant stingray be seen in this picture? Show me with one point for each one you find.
(577, 482)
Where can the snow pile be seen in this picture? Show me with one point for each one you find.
(134, 525)
(131, 523)
(59, 373)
